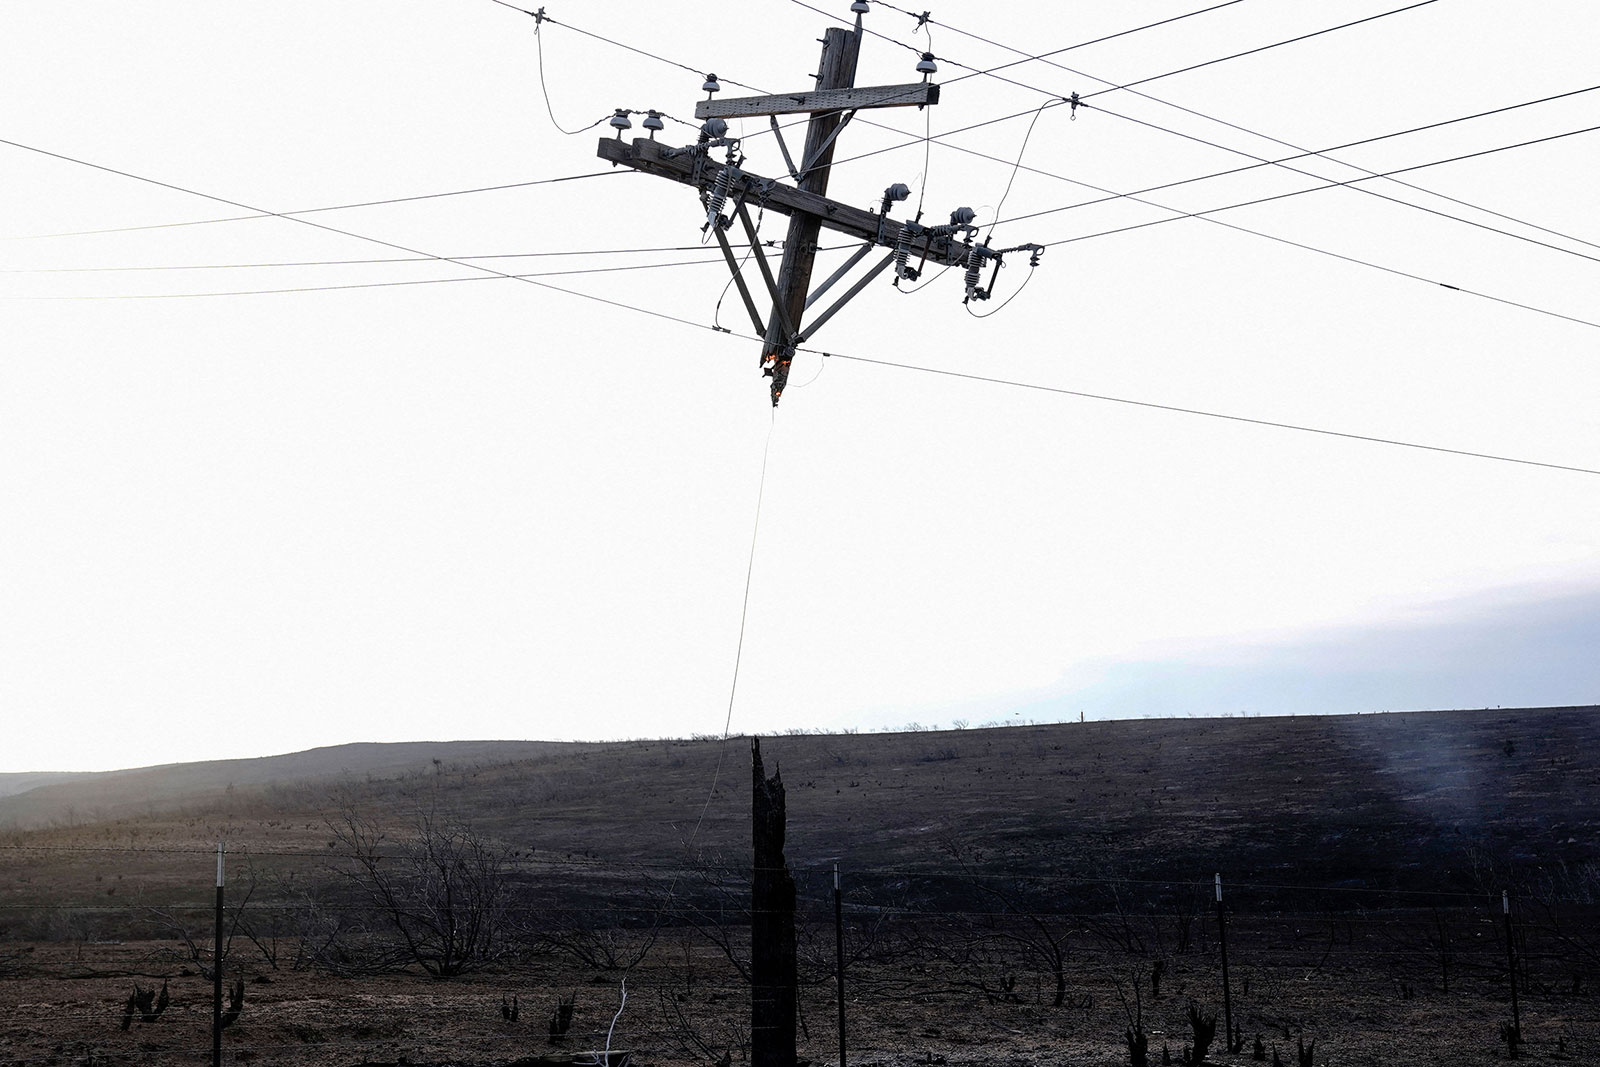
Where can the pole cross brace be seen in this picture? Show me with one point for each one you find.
(653, 157)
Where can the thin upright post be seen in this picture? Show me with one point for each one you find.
(1222, 943)
(838, 953)
(216, 973)
(1511, 964)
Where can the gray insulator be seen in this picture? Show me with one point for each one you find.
(719, 196)
(975, 257)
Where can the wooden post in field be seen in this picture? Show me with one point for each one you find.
(216, 974)
(773, 979)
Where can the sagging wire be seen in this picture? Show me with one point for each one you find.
(1016, 166)
(540, 18)
(733, 689)
(927, 159)
(924, 285)
(822, 363)
(1033, 265)
(538, 38)
(716, 313)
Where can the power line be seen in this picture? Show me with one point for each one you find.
(1215, 414)
(356, 262)
(350, 234)
(376, 285)
(1058, 100)
(308, 210)
(1112, 194)
(1264, 48)
(1304, 153)
(1351, 183)
(543, 18)
(1254, 133)
(1058, 51)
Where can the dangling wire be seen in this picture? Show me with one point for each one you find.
(822, 362)
(924, 285)
(927, 125)
(539, 40)
(1014, 168)
(1008, 300)
(716, 321)
(927, 155)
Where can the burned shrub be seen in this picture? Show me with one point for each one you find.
(1204, 1028)
(146, 1003)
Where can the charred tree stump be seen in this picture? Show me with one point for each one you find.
(772, 944)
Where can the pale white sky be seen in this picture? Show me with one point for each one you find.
(247, 524)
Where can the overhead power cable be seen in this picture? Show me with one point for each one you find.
(543, 18)
(1264, 48)
(314, 210)
(1012, 383)
(356, 262)
(378, 285)
(1069, 48)
(1353, 183)
(1058, 100)
(1044, 57)
(1177, 213)
(1366, 174)
(350, 234)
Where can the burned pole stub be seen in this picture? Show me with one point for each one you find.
(772, 942)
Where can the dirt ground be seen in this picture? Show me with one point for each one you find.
(66, 1007)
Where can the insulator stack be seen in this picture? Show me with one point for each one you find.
(975, 259)
(902, 256)
(719, 196)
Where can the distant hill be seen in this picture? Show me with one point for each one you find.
(12, 783)
(1422, 800)
(33, 800)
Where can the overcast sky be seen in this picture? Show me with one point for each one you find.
(243, 524)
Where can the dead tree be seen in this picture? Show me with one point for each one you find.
(773, 977)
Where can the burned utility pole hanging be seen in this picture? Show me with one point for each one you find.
(831, 106)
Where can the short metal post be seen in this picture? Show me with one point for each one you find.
(838, 950)
(1227, 1000)
(1511, 965)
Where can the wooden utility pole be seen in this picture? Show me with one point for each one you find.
(773, 973)
(840, 49)
(831, 104)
